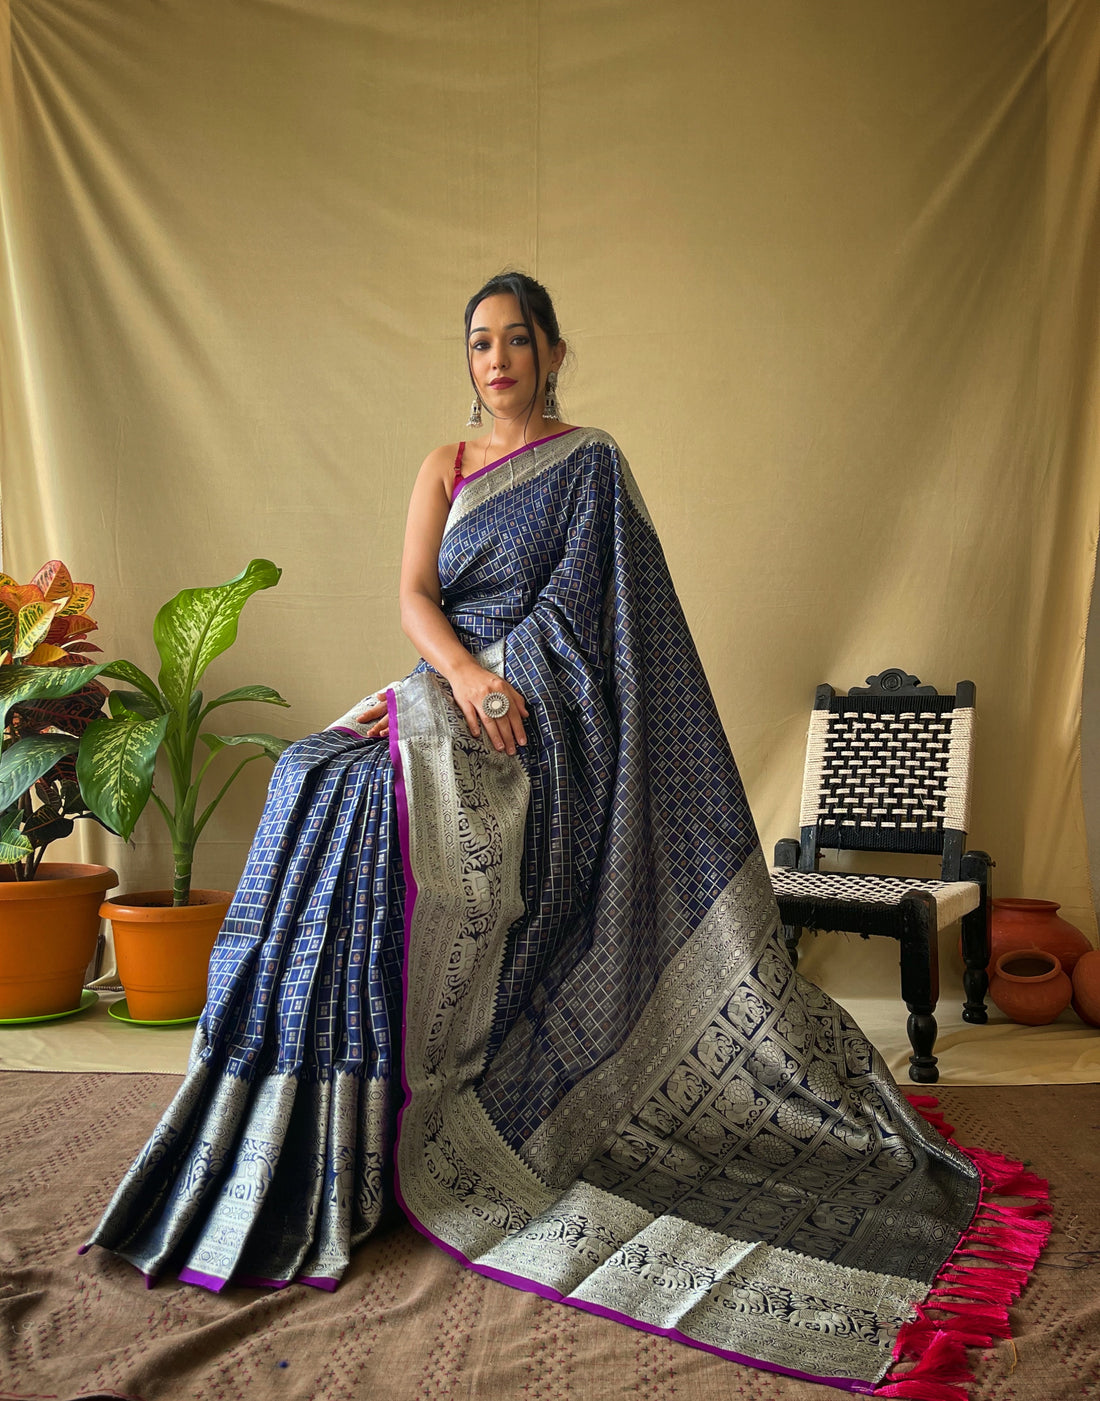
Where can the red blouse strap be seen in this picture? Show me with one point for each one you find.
(458, 469)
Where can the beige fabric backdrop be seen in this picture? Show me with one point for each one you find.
(829, 272)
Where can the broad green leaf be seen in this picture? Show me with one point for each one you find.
(20, 682)
(23, 763)
(115, 768)
(124, 703)
(272, 745)
(13, 844)
(199, 624)
(127, 671)
(248, 693)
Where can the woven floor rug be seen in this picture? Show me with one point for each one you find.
(408, 1324)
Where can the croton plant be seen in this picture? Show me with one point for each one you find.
(49, 696)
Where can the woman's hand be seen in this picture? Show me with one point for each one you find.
(470, 687)
(377, 717)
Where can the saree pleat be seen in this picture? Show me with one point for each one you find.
(542, 999)
(269, 1162)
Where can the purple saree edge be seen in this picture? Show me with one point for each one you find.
(411, 890)
(514, 1281)
(508, 457)
(211, 1282)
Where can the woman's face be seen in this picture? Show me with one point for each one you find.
(502, 360)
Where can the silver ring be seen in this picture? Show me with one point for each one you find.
(496, 705)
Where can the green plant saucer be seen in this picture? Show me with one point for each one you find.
(121, 1013)
(88, 998)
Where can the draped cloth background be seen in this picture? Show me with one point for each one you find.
(830, 274)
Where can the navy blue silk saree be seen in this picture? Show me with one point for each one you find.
(541, 1003)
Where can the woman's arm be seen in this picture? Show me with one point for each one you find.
(424, 622)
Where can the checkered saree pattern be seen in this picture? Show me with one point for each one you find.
(641, 1109)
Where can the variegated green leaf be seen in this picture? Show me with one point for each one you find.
(123, 703)
(199, 624)
(14, 846)
(272, 745)
(127, 671)
(23, 763)
(248, 693)
(22, 683)
(115, 768)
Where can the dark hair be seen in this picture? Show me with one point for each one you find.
(534, 306)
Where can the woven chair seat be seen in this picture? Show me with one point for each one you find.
(826, 898)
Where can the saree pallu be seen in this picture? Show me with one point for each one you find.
(543, 999)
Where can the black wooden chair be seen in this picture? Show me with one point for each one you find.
(888, 769)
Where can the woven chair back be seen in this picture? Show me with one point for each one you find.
(888, 772)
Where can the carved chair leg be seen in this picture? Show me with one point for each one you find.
(792, 933)
(920, 984)
(975, 866)
(922, 1029)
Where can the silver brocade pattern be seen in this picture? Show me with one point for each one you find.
(618, 1091)
(742, 1171)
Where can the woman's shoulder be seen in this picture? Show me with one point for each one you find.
(444, 455)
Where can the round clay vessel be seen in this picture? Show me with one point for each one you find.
(1034, 924)
(1086, 987)
(1030, 986)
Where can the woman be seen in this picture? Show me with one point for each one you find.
(526, 880)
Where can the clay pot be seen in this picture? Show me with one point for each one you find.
(1030, 986)
(48, 932)
(1086, 987)
(1034, 924)
(163, 953)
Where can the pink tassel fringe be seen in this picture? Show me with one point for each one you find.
(968, 1303)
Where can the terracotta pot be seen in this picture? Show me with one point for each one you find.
(1035, 924)
(1086, 987)
(48, 932)
(163, 953)
(1030, 986)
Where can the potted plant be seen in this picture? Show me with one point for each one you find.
(49, 911)
(163, 938)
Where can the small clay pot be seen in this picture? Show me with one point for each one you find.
(1086, 987)
(1030, 986)
(1020, 923)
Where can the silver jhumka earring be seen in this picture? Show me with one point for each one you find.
(551, 409)
(474, 421)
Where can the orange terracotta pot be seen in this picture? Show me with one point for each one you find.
(1086, 987)
(48, 932)
(1019, 923)
(1030, 986)
(163, 953)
